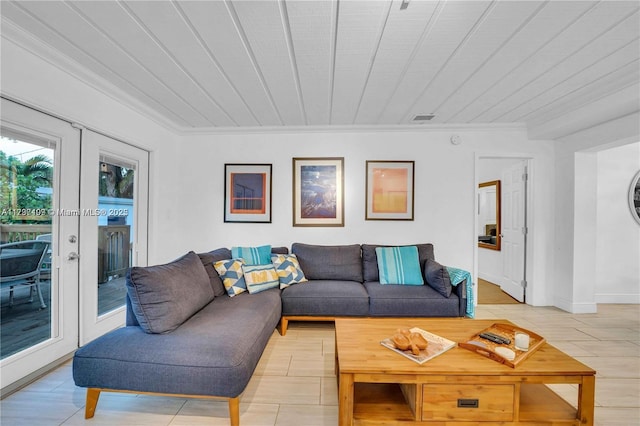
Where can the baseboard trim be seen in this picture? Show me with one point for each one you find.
(30, 378)
(576, 308)
(628, 299)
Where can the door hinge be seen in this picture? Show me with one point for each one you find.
(525, 176)
(525, 230)
(523, 283)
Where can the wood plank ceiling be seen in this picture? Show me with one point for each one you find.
(228, 64)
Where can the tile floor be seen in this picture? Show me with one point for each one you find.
(294, 382)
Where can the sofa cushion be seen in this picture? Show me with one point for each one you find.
(288, 269)
(399, 265)
(391, 300)
(279, 250)
(437, 277)
(208, 259)
(370, 260)
(342, 262)
(325, 298)
(207, 355)
(252, 255)
(260, 277)
(230, 271)
(165, 296)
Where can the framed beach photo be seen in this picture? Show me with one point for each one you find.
(318, 191)
(389, 192)
(247, 193)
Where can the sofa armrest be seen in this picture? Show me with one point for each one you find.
(461, 291)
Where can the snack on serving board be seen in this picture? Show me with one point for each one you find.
(406, 340)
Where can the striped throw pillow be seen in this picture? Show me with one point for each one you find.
(252, 255)
(399, 265)
(260, 277)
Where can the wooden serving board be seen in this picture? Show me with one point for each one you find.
(488, 347)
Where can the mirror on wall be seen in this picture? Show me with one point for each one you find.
(489, 215)
(634, 197)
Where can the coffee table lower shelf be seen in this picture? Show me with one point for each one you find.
(390, 403)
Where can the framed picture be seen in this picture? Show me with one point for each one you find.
(247, 193)
(318, 191)
(389, 194)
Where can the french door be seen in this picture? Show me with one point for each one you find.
(39, 186)
(114, 201)
(82, 199)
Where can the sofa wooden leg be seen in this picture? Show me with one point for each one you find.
(92, 401)
(234, 411)
(283, 326)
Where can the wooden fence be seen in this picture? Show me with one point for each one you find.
(18, 232)
(113, 245)
(113, 251)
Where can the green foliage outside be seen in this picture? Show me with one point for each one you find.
(116, 181)
(19, 182)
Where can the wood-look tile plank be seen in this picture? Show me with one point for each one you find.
(216, 413)
(308, 415)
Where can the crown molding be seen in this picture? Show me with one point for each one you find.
(15, 34)
(415, 128)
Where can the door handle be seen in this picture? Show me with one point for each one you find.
(73, 256)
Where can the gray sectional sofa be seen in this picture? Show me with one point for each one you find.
(185, 336)
(344, 281)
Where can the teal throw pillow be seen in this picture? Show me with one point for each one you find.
(260, 277)
(288, 269)
(252, 255)
(399, 265)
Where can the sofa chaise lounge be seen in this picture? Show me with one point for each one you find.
(186, 336)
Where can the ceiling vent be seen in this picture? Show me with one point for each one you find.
(421, 118)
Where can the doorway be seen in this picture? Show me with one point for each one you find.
(502, 269)
(39, 182)
(74, 207)
(114, 198)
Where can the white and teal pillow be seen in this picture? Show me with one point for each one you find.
(288, 269)
(260, 277)
(252, 255)
(232, 276)
(399, 265)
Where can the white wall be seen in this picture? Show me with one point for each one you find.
(38, 83)
(576, 228)
(444, 193)
(618, 234)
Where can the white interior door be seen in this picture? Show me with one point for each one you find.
(513, 222)
(39, 203)
(114, 201)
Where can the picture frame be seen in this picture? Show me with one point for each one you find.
(389, 191)
(318, 191)
(247, 193)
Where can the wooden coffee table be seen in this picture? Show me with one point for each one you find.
(378, 386)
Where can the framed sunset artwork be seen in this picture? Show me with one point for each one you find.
(247, 193)
(389, 190)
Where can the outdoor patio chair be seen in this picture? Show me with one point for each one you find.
(45, 269)
(20, 265)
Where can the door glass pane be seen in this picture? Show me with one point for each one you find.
(115, 234)
(26, 214)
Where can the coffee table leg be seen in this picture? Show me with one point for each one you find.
(345, 398)
(587, 400)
